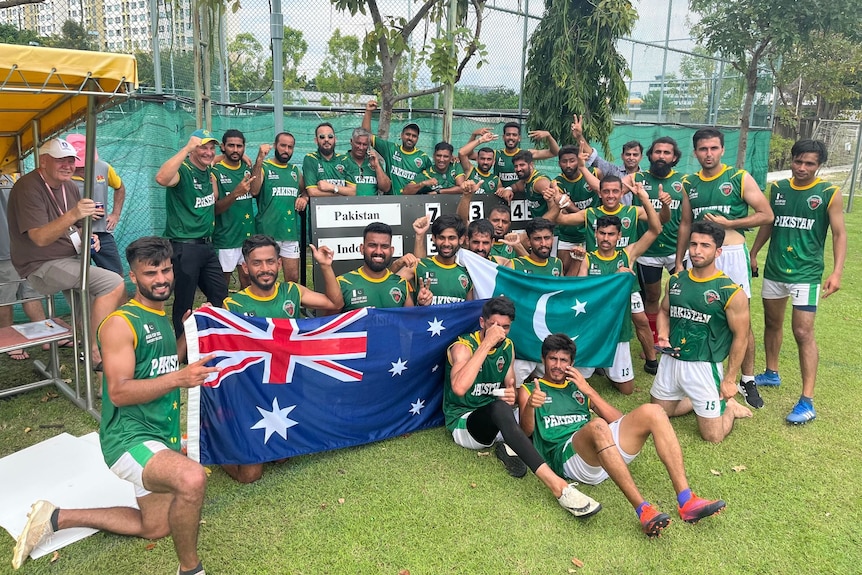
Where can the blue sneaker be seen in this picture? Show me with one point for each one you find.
(802, 412)
(768, 378)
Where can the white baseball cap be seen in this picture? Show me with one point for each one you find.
(59, 148)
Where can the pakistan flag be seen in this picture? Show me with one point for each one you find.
(590, 310)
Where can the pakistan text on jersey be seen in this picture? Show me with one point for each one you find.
(686, 313)
(441, 299)
(557, 420)
(794, 222)
(280, 191)
(164, 364)
(366, 179)
(508, 177)
(402, 173)
(724, 209)
(356, 216)
(484, 389)
(204, 201)
(656, 203)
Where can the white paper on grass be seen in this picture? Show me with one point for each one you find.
(69, 472)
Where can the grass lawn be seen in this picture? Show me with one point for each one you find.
(422, 504)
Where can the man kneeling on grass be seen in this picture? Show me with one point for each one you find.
(556, 411)
(140, 429)
(478, 397)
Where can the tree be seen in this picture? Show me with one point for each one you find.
(703, 87)
(826, 71)
(341, 71)
(73, 36)
(293, 50)
(389, 41)
(751, 34)
(574, 67)
(246, 71)
(10, 34)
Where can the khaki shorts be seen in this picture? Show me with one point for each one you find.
(65, 274)
(12, 287)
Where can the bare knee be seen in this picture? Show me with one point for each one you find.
(192, 483)
(651, 411)
(712, 434)
(155, 531)
(244, 473)
(599, 432)
(625, 387)
(803, 335)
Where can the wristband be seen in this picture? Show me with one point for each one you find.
(335, 190)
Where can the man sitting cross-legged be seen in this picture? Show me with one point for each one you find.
(479, 393)
(556, 411)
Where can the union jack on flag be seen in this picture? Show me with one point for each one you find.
(288, 387)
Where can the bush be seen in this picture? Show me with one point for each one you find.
(779, 152)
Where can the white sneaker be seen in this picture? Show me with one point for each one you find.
(37, 529)
(577, 503)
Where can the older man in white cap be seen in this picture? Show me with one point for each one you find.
(45, 218)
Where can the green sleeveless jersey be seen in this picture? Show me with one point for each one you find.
(536, 204)
(491, 376)
(665, 243)
(276, 202)
(698, 320)
(504, 167)
(359, 290)
(502, 250)
(599, 266)
(551, 266)
(721, 194)
(799, 231)
(338, 170)
(449, 283)
(628, 215)
(403, 166)
(124, 427)
(190, 205)
(582, 198)
(490, 182)
(283, 303)
(565, 411)
(444, 180)
(364, 175)
(233, 226)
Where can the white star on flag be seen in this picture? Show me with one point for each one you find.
(275, 421)
(398, 367)
(415, 408)
(435, 368)
(435, 327)
(579, 307)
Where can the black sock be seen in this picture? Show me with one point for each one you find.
(197, 569)
(55, 518)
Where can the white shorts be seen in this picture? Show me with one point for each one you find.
(801, 295)
(525, 370)
(289, 250)
(735, 262)
(621, 371)
(561, 245)
(637, 302)
(463, 438)
(230, 258)
(130, 465)
(698, 380)
(579, 470)
(666, 262)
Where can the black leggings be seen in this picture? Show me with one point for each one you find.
(484, 423)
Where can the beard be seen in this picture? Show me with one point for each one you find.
(265, 284)
(376, 266)
(660, 168)
(150, 295)
(282, 159)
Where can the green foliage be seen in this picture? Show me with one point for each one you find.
(249, 73)
(72, 36)
(177, 70)
(779, 152)
(342, 70)
(574, 66)
(10, 34)
(702, 84)
(500, 98)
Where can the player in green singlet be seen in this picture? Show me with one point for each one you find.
(540, 234)
(373, 285)
(478, 395)
(537, 186)
(443, 177)
(370, 174)
(325, 172)
(503, 161)
(703, 321)
(439, 279)
(805, 207)
(580, 185)
(140, 426)
(403, 162)
(482, 174)
(555, 410)
(234, 209)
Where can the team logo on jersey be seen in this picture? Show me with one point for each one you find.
(340, 168)
(626, 222)
(463, 280)
(357, 293)
(491, 186)
(100, 179)
(779, 199)
(396, 294)
(418, 162)
(692, 193)
(289, 308)
(675, 288)
(677, 186)
(555, 272)
(725, 188)
(814, 202)
(501, 362)
(711, 296)
(621, 264)
(579, 397)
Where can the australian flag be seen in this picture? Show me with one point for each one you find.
(289, 387)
